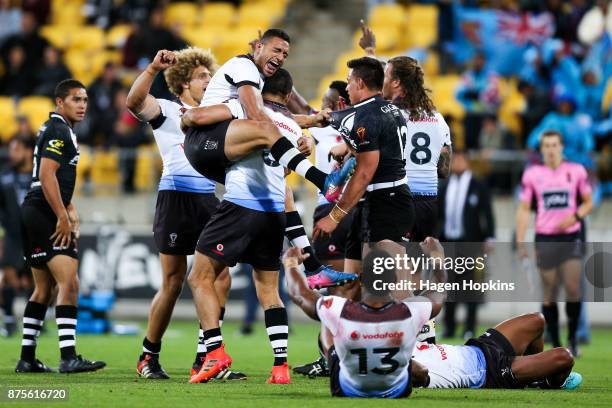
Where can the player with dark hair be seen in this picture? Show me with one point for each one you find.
(213, 141)
(186, 199)
(14, 184)
(51, 226)
(375, 131)
(510, 356)
(564, 198)
(373, 339)
(248, 227)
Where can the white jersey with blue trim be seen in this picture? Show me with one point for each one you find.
(326, 138)
(374, 346)
(258, 181)
(177, 173)
(452, 366)
(236, 72)
(424, 142)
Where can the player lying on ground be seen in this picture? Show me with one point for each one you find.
(373, 339)
(508, 356)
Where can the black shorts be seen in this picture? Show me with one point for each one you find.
(205, 150)
(180, 218)
(499, 354)
(389, 214)
(333, 363)
(356, 233)
(553, 250)
(425, 218)
(38, 225)
(238, 234)
(332, 247)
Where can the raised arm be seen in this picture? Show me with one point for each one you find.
(139, 102)
(297, 287)
(432, 248)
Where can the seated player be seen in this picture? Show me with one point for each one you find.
(508, 356)
(372, 339)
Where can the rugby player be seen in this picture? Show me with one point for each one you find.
(508, 356)
(51, 227)
(248, 227)
(564, 198)
(373, 339)
(186, 199)
(15, 182)
(213, 141)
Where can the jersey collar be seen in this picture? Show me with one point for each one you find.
(366, 101)
(60, 117)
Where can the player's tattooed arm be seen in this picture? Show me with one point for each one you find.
(295, 282)
(139, 102)
(444, 161)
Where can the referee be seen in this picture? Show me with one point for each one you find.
(51, 229)
(558, 187)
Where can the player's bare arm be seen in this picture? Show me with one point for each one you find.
(297, 103)
(140, 103)
(50, 187)
(432, 248)
(73, 215)
(523, 214)
(320, 119)
(444, 161)
(297, 286)
(203, 116)
(367, 42)
(252, 103)
(367, 163)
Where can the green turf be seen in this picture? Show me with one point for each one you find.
(118, 384)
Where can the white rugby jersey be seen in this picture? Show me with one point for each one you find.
(326, 138)
(177, 173)
(236, 72)
(374, 345)
(452, 366)
(258, 181)
(424, 142)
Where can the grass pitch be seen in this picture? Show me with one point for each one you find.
(119, 385)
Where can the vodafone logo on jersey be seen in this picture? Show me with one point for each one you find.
(378, 336)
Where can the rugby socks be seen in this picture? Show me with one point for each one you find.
(295, 232)
(8, 298)
(66, 318)
(150, 348)
(551, 314)
(33, 319)
(288, 156)
(213, 339)
(201, 350)
(277, 326)
(572, 309)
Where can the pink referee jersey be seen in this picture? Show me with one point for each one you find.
(556, 192)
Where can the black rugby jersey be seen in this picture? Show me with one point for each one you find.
(375, 124)
(55, 141)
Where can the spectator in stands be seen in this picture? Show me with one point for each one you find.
(29, 39)
(40, 9)
(537, 105)
(494, 138)
(466, 218)
(102, 110)
(10, 20)
(575, 128)
(128, 134)
(567, 16)
(479, 95)
(24, 129)
(52, 72)
(17, 80)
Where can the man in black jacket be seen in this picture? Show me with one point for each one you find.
(467, 221)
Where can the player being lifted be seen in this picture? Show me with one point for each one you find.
(186, 199)
(373, 339)
(214, 139)
(51, 227)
